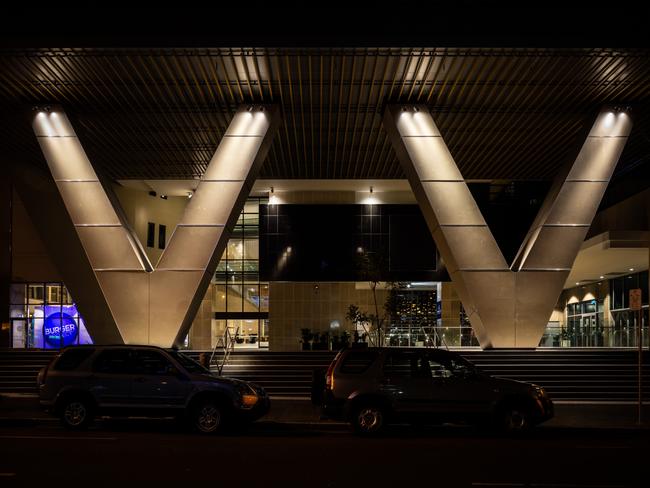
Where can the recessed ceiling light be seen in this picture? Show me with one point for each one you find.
(631, 269)
(601, 277)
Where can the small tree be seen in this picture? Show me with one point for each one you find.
(370, 267)
(363, 319)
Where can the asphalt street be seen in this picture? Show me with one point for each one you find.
(160, 453)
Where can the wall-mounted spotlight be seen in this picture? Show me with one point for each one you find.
(164, 197)
(250, 108)
(190, 194)
(415, 109)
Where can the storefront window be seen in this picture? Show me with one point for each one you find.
(44, 316)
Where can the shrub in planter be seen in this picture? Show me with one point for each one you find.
(306, 339)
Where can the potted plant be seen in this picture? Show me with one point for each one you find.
(323, 341)
(336, 343)
(345, 339)
(306, 339)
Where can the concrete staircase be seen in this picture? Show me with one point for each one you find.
(19, 368)
(590, 375)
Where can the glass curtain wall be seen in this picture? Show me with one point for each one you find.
(625, 322)
(241, 300)
(605, 318)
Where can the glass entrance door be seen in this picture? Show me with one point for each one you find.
(591, 332)
(19, 333)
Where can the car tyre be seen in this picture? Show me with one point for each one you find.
(368, 419)
(76, 413)
(514, 419)
(208, 417)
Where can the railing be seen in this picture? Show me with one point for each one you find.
(227, 344)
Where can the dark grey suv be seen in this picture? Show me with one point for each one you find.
(86, 381)
(374, 386)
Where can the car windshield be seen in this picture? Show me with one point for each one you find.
(188, 363)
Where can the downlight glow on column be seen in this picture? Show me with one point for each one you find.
(273, 199)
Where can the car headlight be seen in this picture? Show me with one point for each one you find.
(247, 396)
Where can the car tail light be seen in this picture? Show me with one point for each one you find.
(329, 376)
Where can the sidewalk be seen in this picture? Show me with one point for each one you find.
(16, 408)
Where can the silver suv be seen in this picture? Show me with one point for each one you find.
(374, 386)
(83, 382)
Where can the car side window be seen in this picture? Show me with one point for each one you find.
(356, 362)
(72, 358)
(438, 369)
(151, 363)
(403, 364)
(113, 361)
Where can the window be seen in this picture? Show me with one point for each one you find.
(151, 362)
(188, 363)
(401, 364)
(162, 234)
(357, 362)
(151, 229)
(113, 361)
(72, 358)
(43, 315)
(458, 366)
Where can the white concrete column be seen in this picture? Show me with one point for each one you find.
(157, 306)
(508, 306)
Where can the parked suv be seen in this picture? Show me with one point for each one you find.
(86, 381)
(374, 386)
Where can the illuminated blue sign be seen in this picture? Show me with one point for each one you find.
(59, 327)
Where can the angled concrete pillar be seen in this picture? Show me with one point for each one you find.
(508, 306)
(156, 305)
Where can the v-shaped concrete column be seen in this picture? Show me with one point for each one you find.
(157, 306)
(508, 306)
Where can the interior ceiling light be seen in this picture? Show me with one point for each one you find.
(164, 197)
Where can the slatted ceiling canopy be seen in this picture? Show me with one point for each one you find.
(160, 113)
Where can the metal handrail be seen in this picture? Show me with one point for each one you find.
(227, 343)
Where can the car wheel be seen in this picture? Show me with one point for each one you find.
(368, 419)
(515, 418)
(76, 413)
(208, 417)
